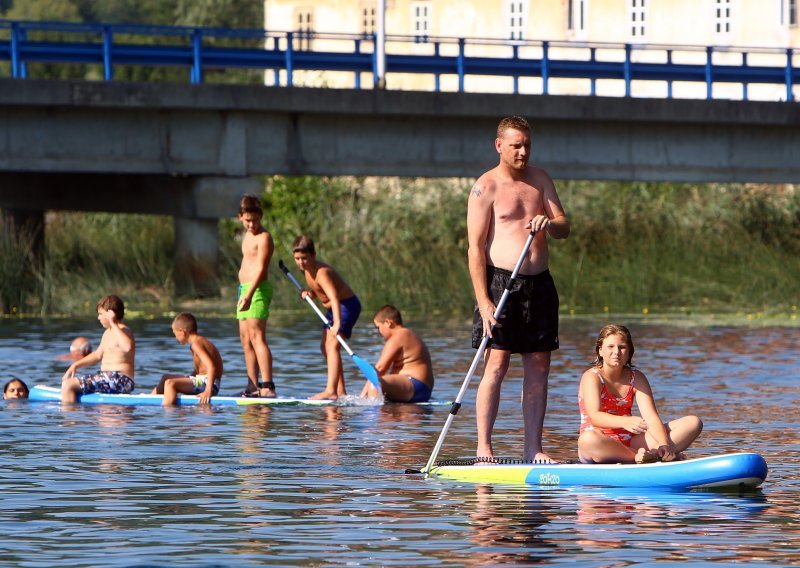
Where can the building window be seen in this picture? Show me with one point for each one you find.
(793, 12)
(421, 18)
(304, 28)
(638, 15)
(722, 17)
(577, 13)
(515, 17)
(368, 12)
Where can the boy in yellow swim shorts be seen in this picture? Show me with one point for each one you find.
(206, 376)
(255, 295)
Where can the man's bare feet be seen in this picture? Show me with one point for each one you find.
(324, 395)
(542, 457)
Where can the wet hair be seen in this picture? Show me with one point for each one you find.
(515, 122)
(388, 311)
(185, 321)
(113, 303)
(250, 204)
(304, 243)
(613, 329)
(16, 380)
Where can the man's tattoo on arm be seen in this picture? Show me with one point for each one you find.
(476, 191)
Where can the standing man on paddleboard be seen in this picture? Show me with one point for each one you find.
(505, 205)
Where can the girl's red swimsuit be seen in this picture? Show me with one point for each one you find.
(618, 406)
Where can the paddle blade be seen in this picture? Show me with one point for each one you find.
(369, 371)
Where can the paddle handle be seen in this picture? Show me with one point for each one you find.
(478, 354)
(314, 306)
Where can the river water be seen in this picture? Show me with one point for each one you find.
(325, 486)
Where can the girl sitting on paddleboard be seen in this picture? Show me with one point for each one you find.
(609, 433)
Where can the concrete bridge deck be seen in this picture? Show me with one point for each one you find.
(191, 150)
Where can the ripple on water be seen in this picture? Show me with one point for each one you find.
(106, 486)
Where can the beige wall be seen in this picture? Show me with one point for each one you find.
(753, 23)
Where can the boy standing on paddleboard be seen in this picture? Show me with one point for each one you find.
(255, 295)
(115, 355)
(343, 306)
(207, 371)
(405, 368)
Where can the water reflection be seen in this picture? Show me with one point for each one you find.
(507, 526)
(120, 486)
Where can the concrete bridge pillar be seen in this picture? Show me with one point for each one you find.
(203, 202)
(195, 202)
(196, 257)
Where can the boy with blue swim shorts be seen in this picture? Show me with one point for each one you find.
(115, 354)
(404, 366)
(343, 310)
(255, 295)
(206, 376)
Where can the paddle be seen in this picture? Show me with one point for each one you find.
(457, 404)
(369, 371)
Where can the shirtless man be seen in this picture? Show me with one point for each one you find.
(404, 367)
(343, 306)
(504, 205)
(115, 355)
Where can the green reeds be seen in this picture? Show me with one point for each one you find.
(634, 248)
(17, 282)
(666, 247)
(89, 255)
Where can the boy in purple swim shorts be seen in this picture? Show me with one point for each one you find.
(343, 310)
(115, 355)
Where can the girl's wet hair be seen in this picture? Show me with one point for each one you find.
(613, 329)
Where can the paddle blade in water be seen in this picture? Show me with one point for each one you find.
(369, 371)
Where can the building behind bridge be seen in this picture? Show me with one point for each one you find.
(569, 25)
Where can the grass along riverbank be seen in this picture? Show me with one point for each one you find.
(635, 248)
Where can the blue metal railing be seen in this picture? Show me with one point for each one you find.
(199, 49)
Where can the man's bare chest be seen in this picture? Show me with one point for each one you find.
(516, 203)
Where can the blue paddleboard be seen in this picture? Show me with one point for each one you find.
(43, 393)
(728, 470)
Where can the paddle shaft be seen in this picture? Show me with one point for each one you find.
(478, 354)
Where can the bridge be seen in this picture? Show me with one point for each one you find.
(191, 150)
